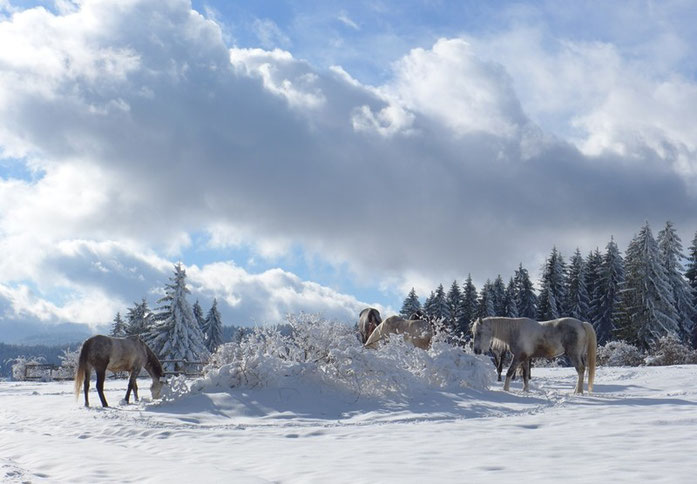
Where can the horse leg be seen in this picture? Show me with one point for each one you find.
(86, 386)
(135, 388)
(511, 371)
(101, 376)
(577, 361)
(131, 382)
(526, 374)
(498, 361)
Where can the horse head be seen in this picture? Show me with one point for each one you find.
(156, 387)
(482, 333)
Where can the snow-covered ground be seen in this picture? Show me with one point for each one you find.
(640, 425)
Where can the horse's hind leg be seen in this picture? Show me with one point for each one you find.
(101, 376)
(578, 363)
(86, 386)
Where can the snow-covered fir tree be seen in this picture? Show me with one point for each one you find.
(691, 275)
(553, 293)
(468, 306)
(139, 319)
(648, 307)
(177, 335)
(606, 296)
(411, 304)
(118, 330)
(498, 293)
(440, 304)
(198, 315)
(428, 306)
(670, 256)
(526, 300)
(486, 300)
(594, 262)
(213, 328)
(577, 300)
(454, 302)
(510, 307)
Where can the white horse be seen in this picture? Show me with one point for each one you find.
(527, 339)
(499, 351)
(416, 331)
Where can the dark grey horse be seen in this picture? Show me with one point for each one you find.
(117, 354)
(368, 320)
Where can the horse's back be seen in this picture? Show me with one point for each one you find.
(115, 354)
(418, 332)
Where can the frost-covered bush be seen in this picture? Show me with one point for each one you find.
(669, 350)
(619, 353)
(314, 351)
(19, 366)
(68, 363)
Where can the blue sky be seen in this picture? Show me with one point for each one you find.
(325, 156)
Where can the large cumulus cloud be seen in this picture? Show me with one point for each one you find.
(143, 126)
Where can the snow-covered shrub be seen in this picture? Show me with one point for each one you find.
(669, 350)
(69, 361)
(312, 350)
(619, 353)
(19, 366)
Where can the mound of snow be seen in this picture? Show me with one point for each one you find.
(312, 353)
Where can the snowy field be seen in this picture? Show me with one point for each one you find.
(640, 425)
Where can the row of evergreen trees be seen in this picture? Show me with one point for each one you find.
(638, 298)
(175, 330)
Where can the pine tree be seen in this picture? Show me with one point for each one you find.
(213, 328)
(594, 262)
(577, 300)
(454, 302)
(606, 299)
(198, 315)
(510, 306)
(429, 306)
(648, 307)
(468, 306)
(553, 292)
(177, 335)
(526, 300)
(118, 330)
(411, 305)
(670, 254)
(139, 320)
(498, 293)
(691, 275)
(440, 305)
(486, 300)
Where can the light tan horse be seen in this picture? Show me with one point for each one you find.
(416, 331)
(527, 339)
(117, 354)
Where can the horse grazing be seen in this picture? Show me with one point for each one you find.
(499, 351)
(527, 339)
(117, 354)
(416, 331)
(368, 320)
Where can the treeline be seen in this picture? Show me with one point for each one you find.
(638, 298)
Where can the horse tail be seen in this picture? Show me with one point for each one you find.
(591, 348)
(81, 370)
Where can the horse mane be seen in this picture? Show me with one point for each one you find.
(153, 361)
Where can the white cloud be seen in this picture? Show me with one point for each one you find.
(148, 128)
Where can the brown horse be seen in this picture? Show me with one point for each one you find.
(117, 354)
(368, 320)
